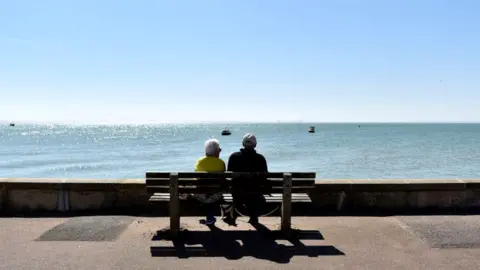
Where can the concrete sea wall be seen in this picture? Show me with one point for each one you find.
(27, 195)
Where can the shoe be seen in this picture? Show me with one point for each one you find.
(230, 221)
(253, 220)
(210, 220)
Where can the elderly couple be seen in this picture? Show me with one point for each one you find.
(244, 190)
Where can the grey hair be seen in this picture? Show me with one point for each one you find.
(212, 146)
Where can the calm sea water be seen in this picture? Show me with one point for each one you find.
(334, 151)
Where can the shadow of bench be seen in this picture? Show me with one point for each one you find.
(261, 244)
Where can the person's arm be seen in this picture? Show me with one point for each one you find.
(231, 163)
(264, 164)
(197, 166)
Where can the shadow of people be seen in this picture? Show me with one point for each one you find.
(259, 243)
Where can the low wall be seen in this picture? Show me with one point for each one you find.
(21, 195)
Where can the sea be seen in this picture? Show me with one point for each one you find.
(334, 151)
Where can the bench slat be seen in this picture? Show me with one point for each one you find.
(273, 198)
(209, 189)
(229, 174)
(229, 199)
(157, 175)
(277, 199)
(229, 195)
(216, 181)
(185, 181)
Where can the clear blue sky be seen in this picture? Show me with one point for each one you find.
(186, 61)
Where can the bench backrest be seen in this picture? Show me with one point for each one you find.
(203, 182)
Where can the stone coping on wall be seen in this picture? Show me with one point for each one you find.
(70, 195)
(74, 183)
(327, 185)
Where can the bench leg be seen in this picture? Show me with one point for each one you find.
(174, 205)
(287, 204)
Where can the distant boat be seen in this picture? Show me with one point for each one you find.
(226, 132)
(311, 129)
(12, 124)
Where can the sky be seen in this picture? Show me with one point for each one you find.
(154, 61)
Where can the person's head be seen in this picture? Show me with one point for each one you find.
(249, 141)
(212, 148)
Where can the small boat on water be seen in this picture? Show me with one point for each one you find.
(311, 129)
(12, 124)
(226, 132)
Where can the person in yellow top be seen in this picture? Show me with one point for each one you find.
(211, 162)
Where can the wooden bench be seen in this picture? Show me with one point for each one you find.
(284, 188)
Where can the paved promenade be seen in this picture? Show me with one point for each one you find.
(124, 242)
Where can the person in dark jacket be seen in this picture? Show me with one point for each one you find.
(246, 190)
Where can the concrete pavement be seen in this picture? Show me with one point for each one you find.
(125, 242)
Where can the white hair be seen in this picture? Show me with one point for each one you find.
(249, 141)
(212, 146)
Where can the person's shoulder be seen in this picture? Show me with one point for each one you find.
(217, 159)
(260, 155)
(198, 164)
(201, 159)
(235, 154)
(222, 162)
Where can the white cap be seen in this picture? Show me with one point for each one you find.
(249, 141)
(212, 147)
